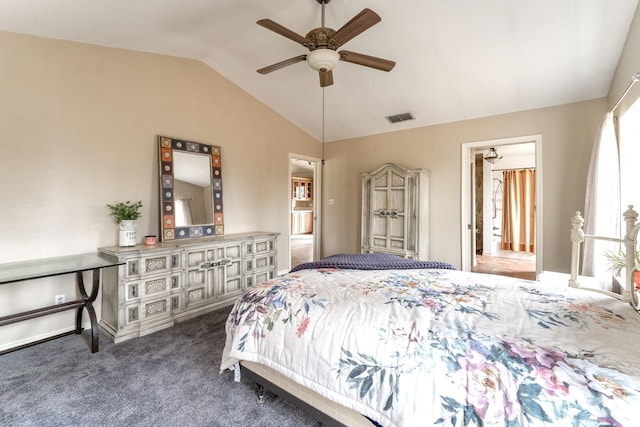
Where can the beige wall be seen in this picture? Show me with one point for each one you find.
(567, 131)
(79, 126)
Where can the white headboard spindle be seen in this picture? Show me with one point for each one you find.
(630, 240)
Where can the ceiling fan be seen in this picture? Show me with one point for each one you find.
(323, 43)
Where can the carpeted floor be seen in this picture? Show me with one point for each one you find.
(301, 249)
(168, 378)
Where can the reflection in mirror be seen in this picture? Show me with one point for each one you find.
(190, 189)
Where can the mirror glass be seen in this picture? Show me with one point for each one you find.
(190, 189)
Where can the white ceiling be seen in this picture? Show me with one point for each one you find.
(456, 60)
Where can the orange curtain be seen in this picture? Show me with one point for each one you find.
(519, 211)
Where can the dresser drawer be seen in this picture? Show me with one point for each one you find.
(260, 262)
(260, 246)
(155, 285)
(153, 264)
(147, 310)
(258, 277)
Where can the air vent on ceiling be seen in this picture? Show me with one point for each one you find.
(400, 117)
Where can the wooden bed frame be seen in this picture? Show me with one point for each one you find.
(333, 414)
(629, 293)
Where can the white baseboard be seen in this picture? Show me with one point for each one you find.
(35, 338)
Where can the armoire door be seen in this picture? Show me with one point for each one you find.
(388, 221)
(395, 211)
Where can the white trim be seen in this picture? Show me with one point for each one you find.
(466, 183)
(33, 339)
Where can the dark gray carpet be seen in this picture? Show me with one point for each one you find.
(168, 378)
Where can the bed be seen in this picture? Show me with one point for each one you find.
(404, 343)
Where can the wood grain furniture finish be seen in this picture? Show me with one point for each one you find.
(301, 188)
(159, 285)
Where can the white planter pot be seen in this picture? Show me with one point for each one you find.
(127, 233)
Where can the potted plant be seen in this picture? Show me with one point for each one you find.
(618, 261)
(125, 215)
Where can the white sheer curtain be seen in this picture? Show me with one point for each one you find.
(183, 212)
(602, 201)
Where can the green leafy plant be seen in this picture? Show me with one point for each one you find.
(617, 261)
(126, 210)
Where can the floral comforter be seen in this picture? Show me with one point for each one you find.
(445, 348)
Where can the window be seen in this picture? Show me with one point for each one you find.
(629, 133)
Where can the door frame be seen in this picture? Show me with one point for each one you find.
(316, 205)
(467, 201)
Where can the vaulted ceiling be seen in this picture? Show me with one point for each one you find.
(455, 60)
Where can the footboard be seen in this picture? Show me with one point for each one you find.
(630, 243)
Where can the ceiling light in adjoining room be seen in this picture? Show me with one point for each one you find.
(323, 59)
(492, 156)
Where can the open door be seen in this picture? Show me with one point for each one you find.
(304, 205)
(472, 178)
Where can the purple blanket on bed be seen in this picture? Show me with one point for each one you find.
(371, 262)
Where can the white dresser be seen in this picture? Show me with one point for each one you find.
(172, 281)
(395, 211)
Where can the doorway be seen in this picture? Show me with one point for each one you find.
(304, 196)
(482, 209)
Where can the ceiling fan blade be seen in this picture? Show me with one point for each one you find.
(326, 78)
(283, 31)
(282, 64)
(362, 21)
(366, 60)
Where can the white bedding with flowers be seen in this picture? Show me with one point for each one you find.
(445, 348)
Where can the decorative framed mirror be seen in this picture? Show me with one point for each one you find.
(190, 189)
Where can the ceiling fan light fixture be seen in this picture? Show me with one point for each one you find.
(323, 59)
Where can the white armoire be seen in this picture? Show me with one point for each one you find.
(395, 211)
